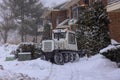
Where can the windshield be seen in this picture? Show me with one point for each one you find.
(59, 35)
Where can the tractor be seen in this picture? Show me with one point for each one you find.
(62, 48)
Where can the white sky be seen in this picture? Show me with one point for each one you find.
(51, 3)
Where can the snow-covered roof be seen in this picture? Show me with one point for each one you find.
(53, 3)
(60, 5)
(66, 4)
(69, 4)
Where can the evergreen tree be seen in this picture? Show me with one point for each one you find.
(102, 20)
(47, 32)
(93, 32)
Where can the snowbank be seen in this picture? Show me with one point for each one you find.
(6, 75)
(94, 68)
(113, 41)
(114, 45)
(110, 47)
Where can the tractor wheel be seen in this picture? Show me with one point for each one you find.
(58, 59)
(66, 57)
(76, 57)
(71, 59)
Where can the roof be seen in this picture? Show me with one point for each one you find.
(69, 4)
(62, 6)
(59, 6)
(66, 5)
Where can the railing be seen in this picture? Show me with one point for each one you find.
(112, 1)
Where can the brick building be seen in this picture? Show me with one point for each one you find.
(113, 9)
(70, 10)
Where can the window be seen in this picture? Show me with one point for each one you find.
(71, 38)
(59, 35)
(75, 12)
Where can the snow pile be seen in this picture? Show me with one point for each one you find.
(114, 45)
(113, 41)
(107, 48)
(94, 68)
(6, 75)
(110, 47)
(5, 50)
(35, 68)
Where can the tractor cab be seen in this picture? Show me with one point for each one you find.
(64, 39)
(59, 34)
(62, 48)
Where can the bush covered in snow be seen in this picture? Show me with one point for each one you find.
(112, 52)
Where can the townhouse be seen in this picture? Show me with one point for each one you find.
(66, 14)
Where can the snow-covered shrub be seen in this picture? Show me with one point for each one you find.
(112, 52)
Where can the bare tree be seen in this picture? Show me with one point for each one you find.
(5, 27)
(6, 23)
(27, 13)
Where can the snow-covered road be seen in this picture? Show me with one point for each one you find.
(94, 68)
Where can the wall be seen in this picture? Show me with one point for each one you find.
(115, 25)
(55, 15)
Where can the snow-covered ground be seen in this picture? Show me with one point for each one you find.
(94, 68)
